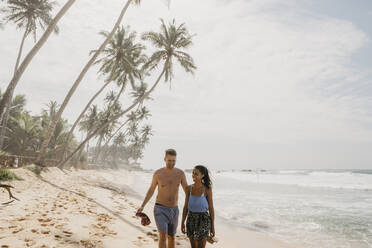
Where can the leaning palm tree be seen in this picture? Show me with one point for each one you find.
(146, 131)
(5, 101)
(103, 116)
(44, 146)
(121, 62)
(143, 113)
(29, 15)
(170, 42)
(89, 121)
(24, 135)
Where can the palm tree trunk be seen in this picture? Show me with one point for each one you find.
(4, 119)
(113, 104)
(44, 146)
(79, 118)
(21, 49)
(113, 135)
(78, 157)
(6, 99)
(114, 118)
(105, 146)
(98, 148)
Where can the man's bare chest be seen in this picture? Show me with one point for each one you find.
(169, 181)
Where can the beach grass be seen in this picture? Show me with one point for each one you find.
(34, 169)
(7, 175)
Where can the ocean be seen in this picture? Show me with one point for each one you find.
(318, 208)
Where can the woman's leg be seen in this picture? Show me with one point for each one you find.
(202, 243)
(193, 243)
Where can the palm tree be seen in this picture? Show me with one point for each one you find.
(24, 135)
(122, 58)
(89, 121)
(5, 101)
(120, 63)
(169, 41)
(44, 146)
(143, 113)
(28, 15)
(103, 116)
(146, 131)
(15, 111)
(131, 118)
(119, 141)
(60, 132)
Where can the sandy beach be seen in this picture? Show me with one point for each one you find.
(80, 208)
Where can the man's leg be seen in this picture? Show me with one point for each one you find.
(171, 241)
(160, 216)
(172, 227)
(162, 239)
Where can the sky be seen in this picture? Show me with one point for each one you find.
(280, 84)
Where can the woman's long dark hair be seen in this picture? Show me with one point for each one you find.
(207, 182)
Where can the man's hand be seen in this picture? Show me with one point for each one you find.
(183, 229)
(140, 209)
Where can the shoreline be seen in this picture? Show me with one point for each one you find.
(83, 209)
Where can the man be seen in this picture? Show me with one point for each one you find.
(168, 180)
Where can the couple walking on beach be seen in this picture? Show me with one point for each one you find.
(198, 209)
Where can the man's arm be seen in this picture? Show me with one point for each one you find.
(184, 182)
(150, 192)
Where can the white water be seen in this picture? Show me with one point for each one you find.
(323, 209)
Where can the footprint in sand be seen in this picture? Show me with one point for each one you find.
(154, 236)
(18, 230)
(45, 231)
(60, 226)
(141, 241)
(57, 236)
(29, 242)
(67, 233)
(44, 220)
(91, 243)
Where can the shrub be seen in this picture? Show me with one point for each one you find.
(7, 175)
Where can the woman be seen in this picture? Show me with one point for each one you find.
(198, 203)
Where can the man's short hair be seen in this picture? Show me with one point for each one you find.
(171, 152)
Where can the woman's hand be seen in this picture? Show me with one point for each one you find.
(183, 228)
(213, 232)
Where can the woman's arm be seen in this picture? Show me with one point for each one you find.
(211, 210)
(185, 209)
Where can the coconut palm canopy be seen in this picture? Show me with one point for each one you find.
(29, 14)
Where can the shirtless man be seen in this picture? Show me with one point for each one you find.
(168, 180)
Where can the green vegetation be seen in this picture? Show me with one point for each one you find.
(34, 169)
(7, 175)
